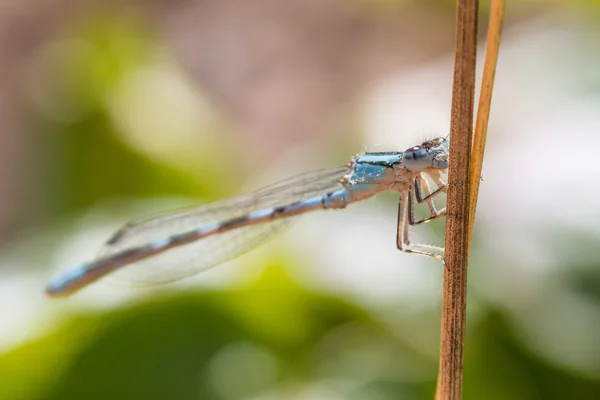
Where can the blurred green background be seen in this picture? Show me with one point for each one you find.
(112, 110)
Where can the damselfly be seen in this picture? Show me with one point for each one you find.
(174, 245)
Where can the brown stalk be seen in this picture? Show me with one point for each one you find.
(457, 220)
(461, 213)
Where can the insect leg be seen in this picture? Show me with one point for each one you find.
(402, 235)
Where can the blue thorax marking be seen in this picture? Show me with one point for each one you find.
(373, 167)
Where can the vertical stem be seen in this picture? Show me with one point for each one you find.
(457, 221)
(485, 101)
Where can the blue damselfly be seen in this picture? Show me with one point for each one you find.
(182, 243)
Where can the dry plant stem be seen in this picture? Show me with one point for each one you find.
(457, 220)
(485, 100)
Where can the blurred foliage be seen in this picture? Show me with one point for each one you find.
(272, 336)
(175, 347)
(83, 153)
(271, 340)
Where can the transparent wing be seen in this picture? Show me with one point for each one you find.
(180, 262)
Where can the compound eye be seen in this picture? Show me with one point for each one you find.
(414, 153)
(415, 158)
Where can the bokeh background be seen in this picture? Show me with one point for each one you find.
(111, 110)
